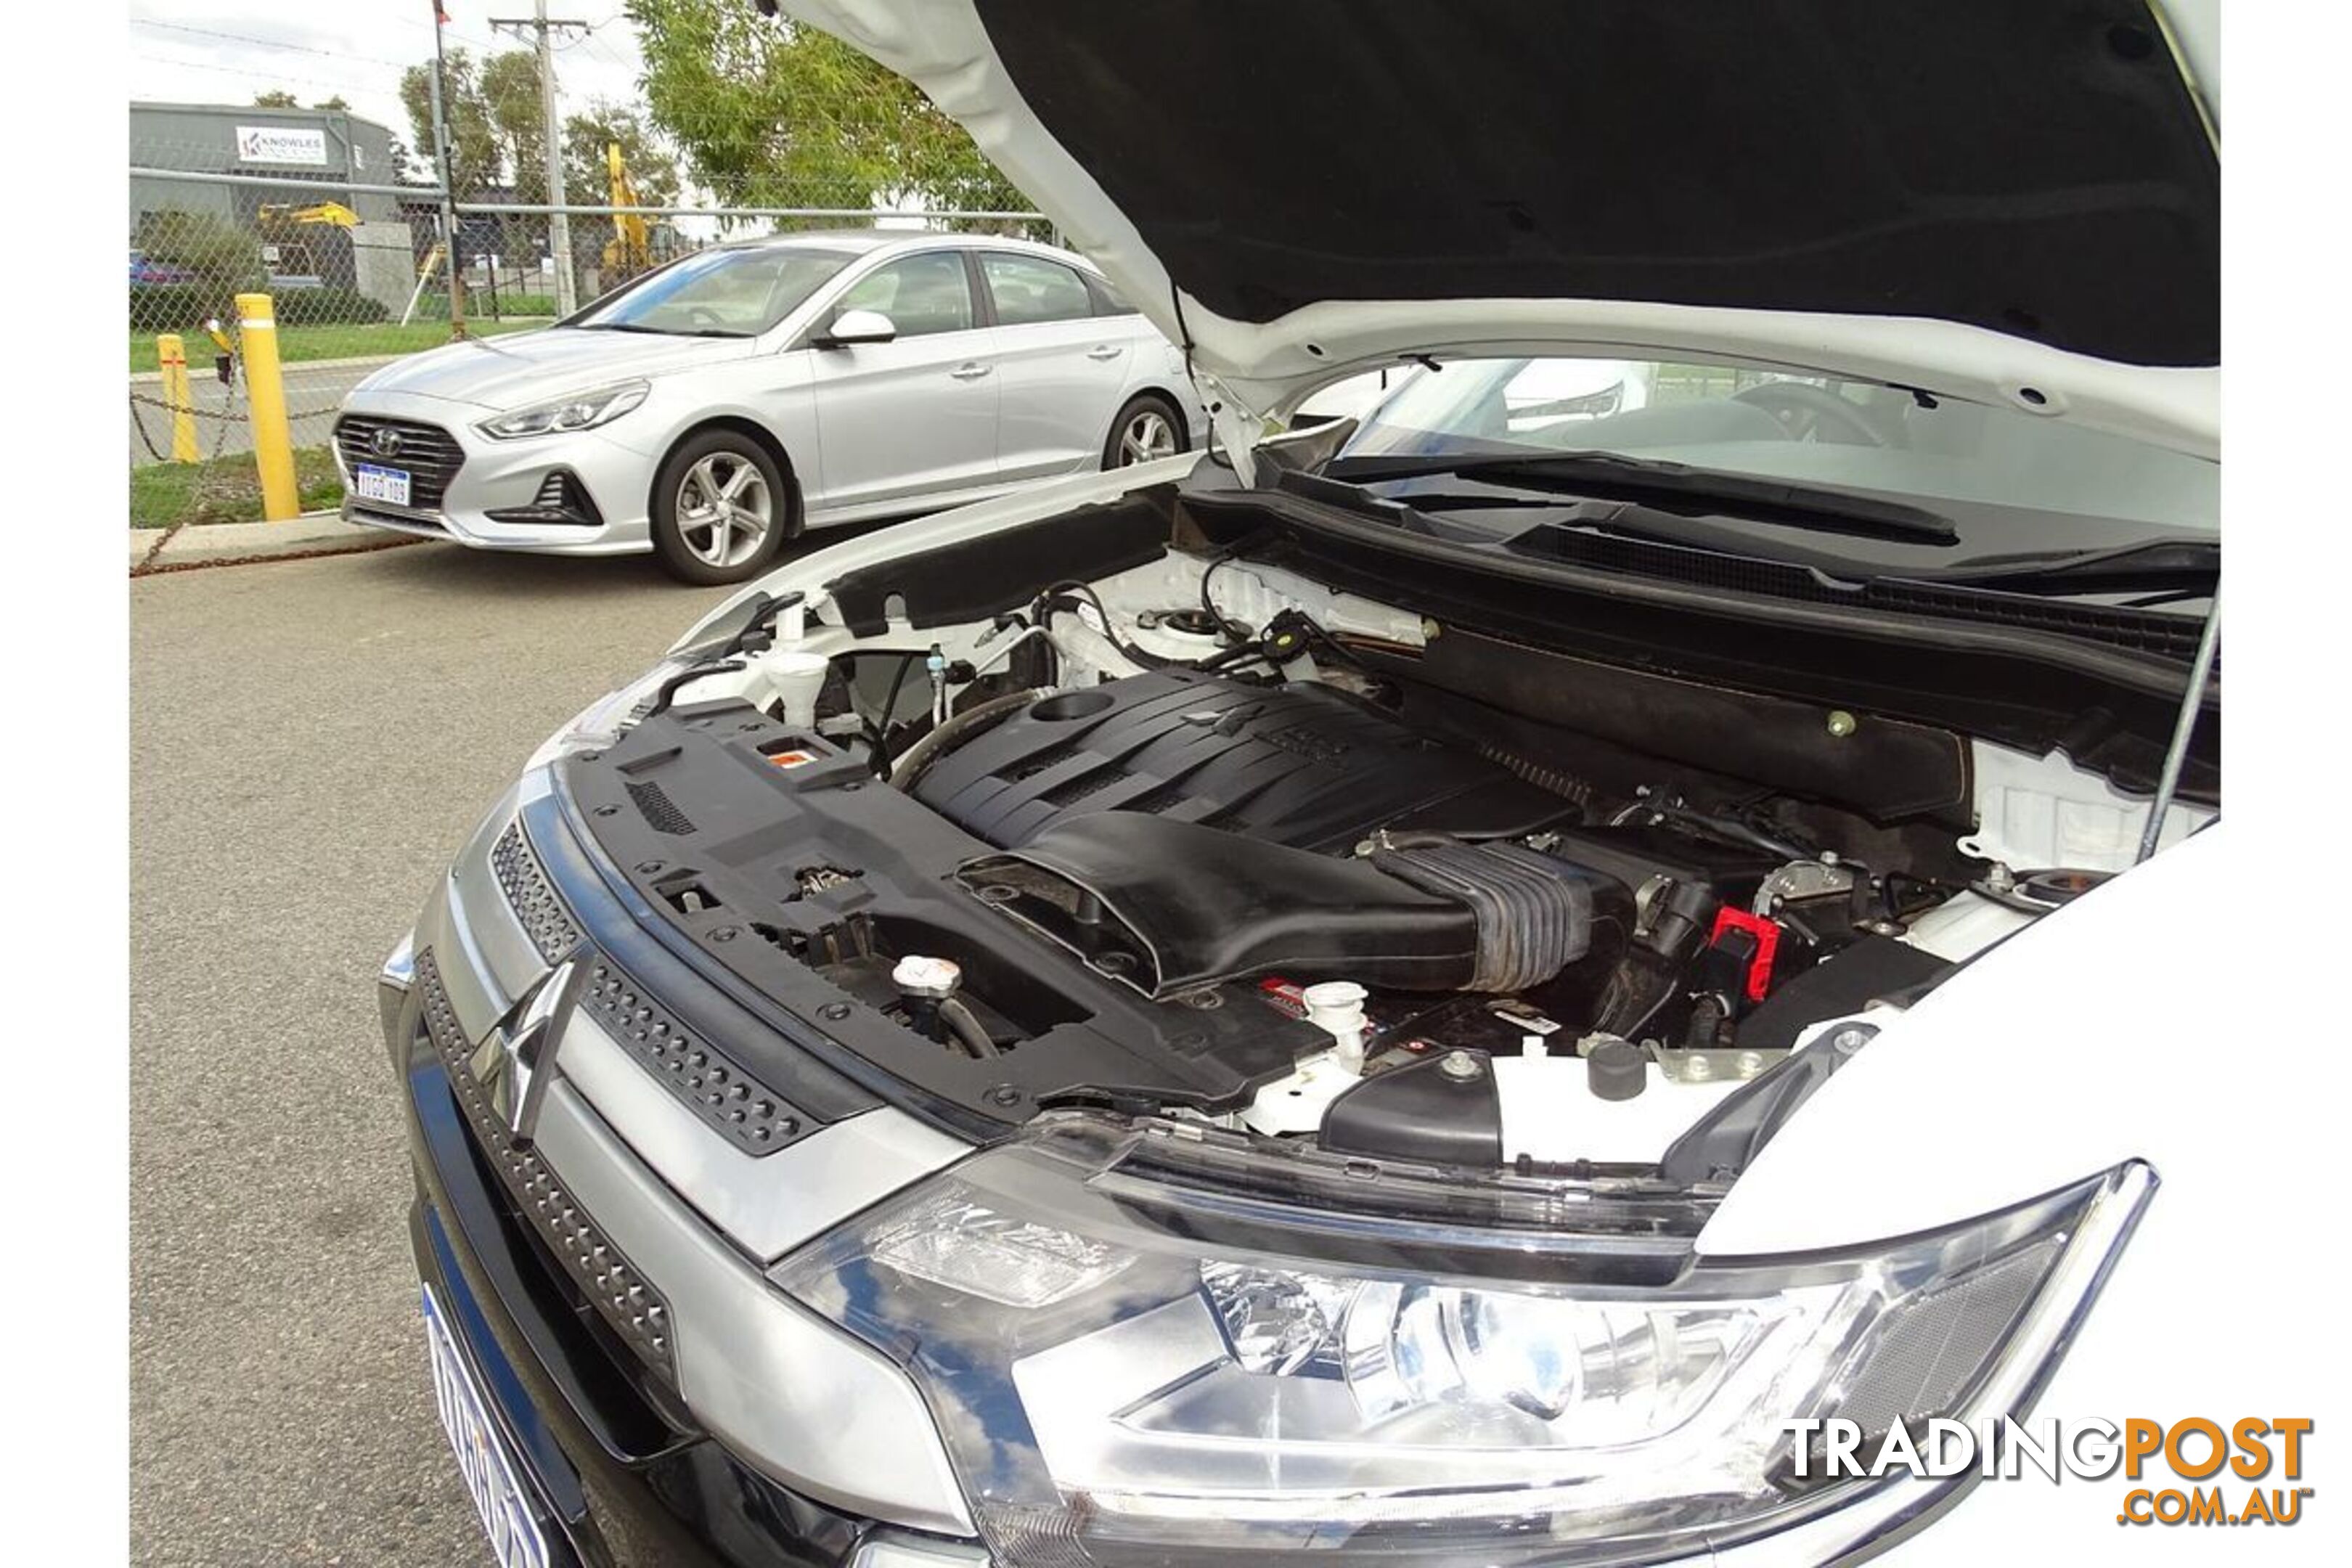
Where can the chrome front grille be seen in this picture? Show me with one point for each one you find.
(709, 1083)
(531, 896)
(727, 1098)
(428, 454)
(630, 1307)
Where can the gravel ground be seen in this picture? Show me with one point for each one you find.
(309, 743)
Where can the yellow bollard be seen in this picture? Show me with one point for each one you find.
(265, 399)
(172, 356)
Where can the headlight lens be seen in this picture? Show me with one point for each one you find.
(1127, 1364)
(600, 723)
(581, 411)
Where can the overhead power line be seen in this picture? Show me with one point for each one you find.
(262, 43)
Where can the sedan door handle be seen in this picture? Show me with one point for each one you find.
(1104, 350)
(970, 370)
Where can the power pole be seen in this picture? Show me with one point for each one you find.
(559, 224)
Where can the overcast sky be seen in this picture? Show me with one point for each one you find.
(225, 51)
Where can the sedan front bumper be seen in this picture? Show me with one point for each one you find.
(501, 493)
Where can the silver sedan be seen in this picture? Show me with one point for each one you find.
(713, 409)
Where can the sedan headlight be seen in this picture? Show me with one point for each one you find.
(581, 411)
(601, 722)
(1133, 1359)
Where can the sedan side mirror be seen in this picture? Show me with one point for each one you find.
(858, 327)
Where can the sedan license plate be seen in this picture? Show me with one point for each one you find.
(370, 482)
(482, 1459)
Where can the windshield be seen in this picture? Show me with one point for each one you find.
(2012, 482)
(718, 293)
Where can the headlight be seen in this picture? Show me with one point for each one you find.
(1131, 1362)
(581, 411)
(601, 722)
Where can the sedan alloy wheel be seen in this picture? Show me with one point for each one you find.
(725, 509)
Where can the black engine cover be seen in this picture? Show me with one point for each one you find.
(1303, 765)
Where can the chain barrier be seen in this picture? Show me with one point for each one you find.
(207, 475)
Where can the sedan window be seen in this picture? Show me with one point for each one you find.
(1028, 289)
(724, 293)
(921, 294)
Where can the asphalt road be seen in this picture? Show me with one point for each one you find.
(311, 741)
(313, 391)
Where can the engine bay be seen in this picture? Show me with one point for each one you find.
(1413, 896)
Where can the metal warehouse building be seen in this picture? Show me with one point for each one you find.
(327, 148)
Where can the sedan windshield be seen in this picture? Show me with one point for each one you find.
(2012, 482)
(731, 293)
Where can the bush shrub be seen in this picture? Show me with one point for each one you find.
(223, 259)
(167, 308)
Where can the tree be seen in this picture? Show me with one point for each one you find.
(770, 114)
(223, 260)
(510, 88)
(338, 103)
(473, 142)
(276, 97)
(652, 167)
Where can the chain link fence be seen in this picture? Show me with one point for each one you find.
(314, 211)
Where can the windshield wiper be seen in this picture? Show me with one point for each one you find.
(2186, 568)
(1604, 476)
(663, 331)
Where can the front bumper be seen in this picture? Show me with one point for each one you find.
(509, 478)
(626, 1460)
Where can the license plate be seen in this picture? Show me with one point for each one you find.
(371, 482)
(482, 1459)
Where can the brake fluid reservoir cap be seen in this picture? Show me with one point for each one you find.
(918, 975)
(1614, 1069)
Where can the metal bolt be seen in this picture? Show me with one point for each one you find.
(1459, 1066)
(645, 868)
(725, 934)
(1004, 1094)
(834, 1012)
(1847, 1041)
(591, 756)
(1841, 723)
(608, 811)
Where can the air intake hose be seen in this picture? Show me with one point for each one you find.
(1534, 914)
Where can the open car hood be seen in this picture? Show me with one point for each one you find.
(2009, 201)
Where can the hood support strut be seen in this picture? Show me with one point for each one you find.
(2200, 670)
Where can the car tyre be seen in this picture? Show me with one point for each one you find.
(722, 509)
(1149, 427)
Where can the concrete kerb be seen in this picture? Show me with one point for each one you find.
(236, 543)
